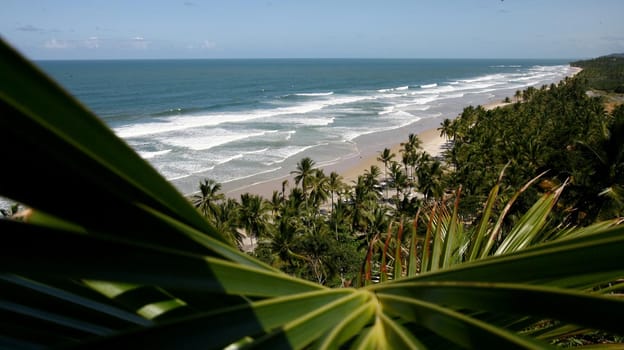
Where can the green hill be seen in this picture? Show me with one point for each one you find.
(604, 73)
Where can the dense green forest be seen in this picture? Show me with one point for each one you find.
(604, 73)
(558, 130)
(444, 255)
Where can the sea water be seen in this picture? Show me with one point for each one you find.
(240, 119)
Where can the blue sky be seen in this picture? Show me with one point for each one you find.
(109, 29)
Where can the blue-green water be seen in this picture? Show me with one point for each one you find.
(233, 119)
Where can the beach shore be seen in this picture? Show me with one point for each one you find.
(431, 142)
(349, 169)
(368, 151)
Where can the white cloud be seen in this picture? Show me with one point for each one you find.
(96, 42)
(139, 42)
(92, 43)
(207, 44)
(57, 44)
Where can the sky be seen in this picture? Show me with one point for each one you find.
(153, 29)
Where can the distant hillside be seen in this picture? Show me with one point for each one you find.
(604, 73)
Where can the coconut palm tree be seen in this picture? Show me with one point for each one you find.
(608, 157)
(207, 198)
(284, 185)
(318, 188)
(529, 93)
(406, 160)
(226, 221)
(430, 179)
(334, 185)
(362, 200)
(339, 219)
(283, 244)
(386, 157)
(410, 151)
(446, 129)
(371, 176)
(303, 173)
(398, 178)
(277, 201)
(413, 143)
(252, 216)
(378, 222)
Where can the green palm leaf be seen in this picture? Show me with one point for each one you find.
(455, 326)
(519, 299)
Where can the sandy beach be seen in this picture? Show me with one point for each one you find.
(349, 169)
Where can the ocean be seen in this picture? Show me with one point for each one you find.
(254, 119)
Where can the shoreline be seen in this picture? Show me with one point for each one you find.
(352, 167)
(349, 168)
(368, 148)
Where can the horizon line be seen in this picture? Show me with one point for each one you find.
(305, 58)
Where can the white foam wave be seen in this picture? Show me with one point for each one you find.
(283, 153)
(507, 66)
(409, 121)
(314, 94)
(484, 78)
(425, 100)
(229, 159)
(177, 123)
(485, 83)
(173, 174)
(444, 90)
(328, 162)
(398, 108)
(480, 86)
(531, 83)
(149, 155)
(435, 90)
(311, 121)
(400, 88)
(386, 110)
(525, 78)
(207, 139)
(260, 151)
(454, 95)
(401, 115)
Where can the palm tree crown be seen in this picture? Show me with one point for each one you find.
(303, 173)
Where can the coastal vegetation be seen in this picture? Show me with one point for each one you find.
(110, 254)
(604, 73)
(559, 130)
